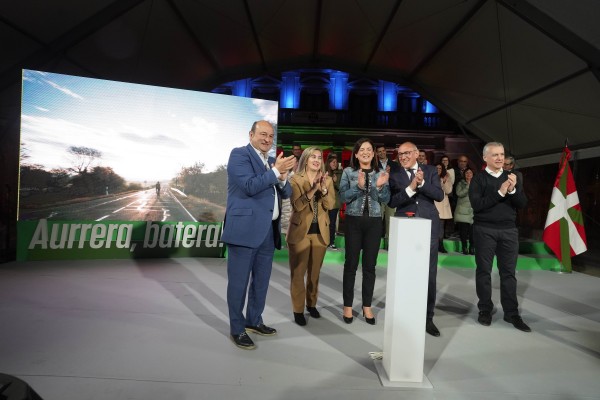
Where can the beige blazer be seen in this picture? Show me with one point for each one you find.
(302, 209)
(443, 206)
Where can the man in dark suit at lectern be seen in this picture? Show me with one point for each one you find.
(256, 183)
(414, 187)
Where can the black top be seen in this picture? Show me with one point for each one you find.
(367, 184)
(489, 207)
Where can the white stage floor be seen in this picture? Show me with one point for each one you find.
(158, 329)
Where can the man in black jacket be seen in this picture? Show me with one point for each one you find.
(495, 197)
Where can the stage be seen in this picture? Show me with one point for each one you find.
(158, 329)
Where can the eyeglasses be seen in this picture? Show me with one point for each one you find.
(406, 153)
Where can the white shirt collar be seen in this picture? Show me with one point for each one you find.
(492, 173)
(264, 157)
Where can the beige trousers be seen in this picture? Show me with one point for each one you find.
(306, 258)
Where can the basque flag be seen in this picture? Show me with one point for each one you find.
(564, 232)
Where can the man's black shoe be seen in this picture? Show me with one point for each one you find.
(431, 328)
(518, 323)
(262, 329)
(313, 312)
(299, 318)
(243, 341)
(485, 318)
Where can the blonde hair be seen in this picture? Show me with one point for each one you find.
(309, 151)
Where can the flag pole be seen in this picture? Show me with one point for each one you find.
(563, 269)
(564, 232)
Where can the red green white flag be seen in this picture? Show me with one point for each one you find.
(564, 232)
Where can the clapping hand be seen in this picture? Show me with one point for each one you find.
(419, 176)
(361, 179)
(284, 165)
(504, 187)
(382, 179)
(317, 182)
(417, 180)
(323, 182)
(512, 178)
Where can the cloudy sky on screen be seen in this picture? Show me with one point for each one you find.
(145, 133)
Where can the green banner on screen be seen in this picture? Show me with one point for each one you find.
(58, 240)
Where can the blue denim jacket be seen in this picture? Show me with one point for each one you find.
(355, 197)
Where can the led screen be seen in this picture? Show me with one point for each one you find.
(99, 150)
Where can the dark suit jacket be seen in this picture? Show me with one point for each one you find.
(422, 203)
(393, 165)
(250, 199)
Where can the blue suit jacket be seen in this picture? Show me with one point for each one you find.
(422, 202)
(250, 199)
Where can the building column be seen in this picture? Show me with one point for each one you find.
(338, 90)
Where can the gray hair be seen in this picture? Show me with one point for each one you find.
(491, 144)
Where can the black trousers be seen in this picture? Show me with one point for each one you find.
(433, 261)
(361, 233)
(504, 244)
(466, 232)
(332, 224)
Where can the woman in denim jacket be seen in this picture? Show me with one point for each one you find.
(363, 187)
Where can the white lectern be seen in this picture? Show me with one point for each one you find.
(406, 303)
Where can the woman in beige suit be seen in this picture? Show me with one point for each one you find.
(443, 206)
(308, 234)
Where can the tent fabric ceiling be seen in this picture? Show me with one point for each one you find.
(523, 72)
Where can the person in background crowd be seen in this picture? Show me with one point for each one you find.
(387, 165)
(463, 214)
(449, 225)
(308, 235)
(422, 158)
(463, 163)
(256, 183)
(286, 206)
(509, 166)
(335, 173)
(414, 188)
(449, 170)
(297, 151)
(363, 188)
(443, 206)
(495, 196)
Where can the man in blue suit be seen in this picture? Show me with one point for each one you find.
(256, 183)
(414, 188)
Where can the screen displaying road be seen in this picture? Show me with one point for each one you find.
(100, 150)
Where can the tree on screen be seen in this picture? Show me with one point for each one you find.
(82, 158)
